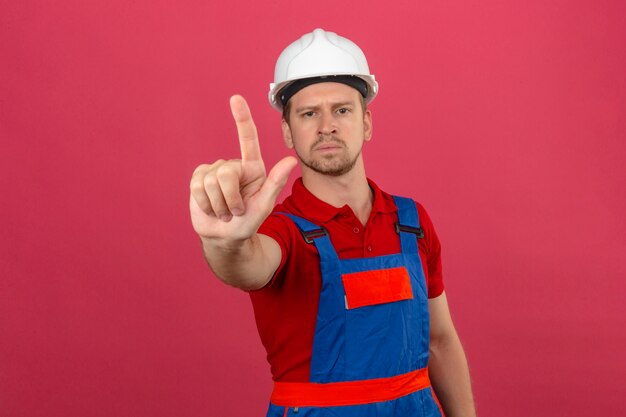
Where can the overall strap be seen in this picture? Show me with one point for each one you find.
(315, 234)
(408, 225)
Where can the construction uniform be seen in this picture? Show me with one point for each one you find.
(370, 345)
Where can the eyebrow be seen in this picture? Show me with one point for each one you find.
(334, 105)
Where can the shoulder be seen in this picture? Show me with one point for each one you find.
(297, 256)
(424, 218)
(431, 240)
(279, 226)
(387, 202)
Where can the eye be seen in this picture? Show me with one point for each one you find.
(343, 110)
(308, 114)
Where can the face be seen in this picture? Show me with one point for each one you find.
(327, 127)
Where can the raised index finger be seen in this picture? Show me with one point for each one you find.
(248, 138)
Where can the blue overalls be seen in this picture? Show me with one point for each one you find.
(370, 348)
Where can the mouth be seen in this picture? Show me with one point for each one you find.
(328, 146)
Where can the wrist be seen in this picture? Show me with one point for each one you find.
(224, 245)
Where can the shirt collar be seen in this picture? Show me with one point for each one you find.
(304, 203)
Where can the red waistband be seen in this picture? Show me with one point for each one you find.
(303, 394)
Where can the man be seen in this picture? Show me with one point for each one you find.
(345, 279)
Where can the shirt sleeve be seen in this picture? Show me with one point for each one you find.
(277, 227)
(433, 251)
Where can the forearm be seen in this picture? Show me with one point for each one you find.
(449, 374)
(243, 264)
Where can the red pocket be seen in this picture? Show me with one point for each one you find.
(377, 287)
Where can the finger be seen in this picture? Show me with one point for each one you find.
(228, 179)
(198, 193)
(218, 204)
(248, 138)
(195, 207)
(276, 180)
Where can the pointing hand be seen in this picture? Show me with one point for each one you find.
(230, 199)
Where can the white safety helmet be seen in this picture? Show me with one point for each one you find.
(321, 54)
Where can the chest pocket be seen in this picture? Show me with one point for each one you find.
(379, 286)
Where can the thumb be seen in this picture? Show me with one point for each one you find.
(276, 180)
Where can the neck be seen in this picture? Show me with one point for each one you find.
(351, 189)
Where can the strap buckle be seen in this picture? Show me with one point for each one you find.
(314, 234)
(417, 231)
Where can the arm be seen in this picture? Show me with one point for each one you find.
(228, 203)
(248, 264)
(447, 366)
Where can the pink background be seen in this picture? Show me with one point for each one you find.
(505, 119)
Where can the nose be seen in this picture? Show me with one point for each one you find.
(327, 124)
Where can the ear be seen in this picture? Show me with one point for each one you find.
(367, 125)
(287, 134)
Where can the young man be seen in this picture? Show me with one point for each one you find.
(345, 279)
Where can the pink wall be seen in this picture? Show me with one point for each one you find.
(505, 119)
